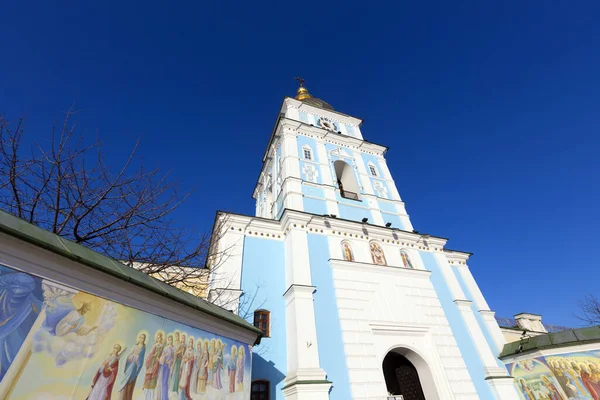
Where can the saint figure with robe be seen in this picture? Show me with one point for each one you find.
(152, 366)
(218, 365)
(203, 372)
(187, 365)
(104, 380)
(239, 377)
(231, 368)
(164, 372)
(348, 256)
(211, 364)
(133, 366)
(179, 351)
(197, 367)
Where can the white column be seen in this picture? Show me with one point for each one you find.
(490, 363)
(482, 305)
(305, 380)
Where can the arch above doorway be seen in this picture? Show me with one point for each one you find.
(406, 373)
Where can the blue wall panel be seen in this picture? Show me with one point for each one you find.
(459, 328)
(314, 200)
(329, 333)
(263, 279)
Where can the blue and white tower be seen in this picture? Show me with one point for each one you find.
(355, 304)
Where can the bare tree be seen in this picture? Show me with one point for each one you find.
(590, 310)
(66, 187)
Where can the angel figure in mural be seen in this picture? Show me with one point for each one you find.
(20, 304)
(553, 393)
(104, 380)
(197, 366)
(203, 368)
(347, 250)
(240, 369)
(231, 368)
(526, 390)
(377, 254)
(165, 363)
(152, 367)
(218, 365)
(211, 363)
(180, 347)
(133, 366)
(187, 365)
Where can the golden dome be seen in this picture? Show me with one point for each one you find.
(305, 97)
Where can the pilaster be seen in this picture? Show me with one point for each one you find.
(305, 378)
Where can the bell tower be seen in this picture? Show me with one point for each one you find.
(318, 162)
(354, 303)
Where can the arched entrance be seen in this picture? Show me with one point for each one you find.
(402, 377)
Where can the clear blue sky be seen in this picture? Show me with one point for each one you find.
(491, 111)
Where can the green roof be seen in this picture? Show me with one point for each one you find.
(35, 235)
(555, 339)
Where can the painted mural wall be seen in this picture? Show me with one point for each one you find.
(59, 343)
(558, 377)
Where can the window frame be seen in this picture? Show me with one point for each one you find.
(373, 170)
(261, 381)
(257, 313)
(307, 149)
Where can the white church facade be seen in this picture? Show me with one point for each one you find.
(354, 303)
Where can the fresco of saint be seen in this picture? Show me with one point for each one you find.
(347, 251)
(197, 366)
(218, 365)
(231, 368)
(104, 380)
(406, 260)
(165, 363)
(133, 366)
(240, 369)
(152, 366)
(203, 372)
(180, 347)
(377, 254)
(187, 365)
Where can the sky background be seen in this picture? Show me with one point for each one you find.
(491, 112)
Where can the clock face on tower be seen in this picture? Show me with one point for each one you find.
(327, 124)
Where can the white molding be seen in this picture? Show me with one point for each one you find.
(353, 265)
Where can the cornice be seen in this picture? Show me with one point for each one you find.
(457, 257)
(331, 114)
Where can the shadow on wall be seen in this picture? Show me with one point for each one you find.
(263, 369)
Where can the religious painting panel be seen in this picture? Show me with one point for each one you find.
(406, 259)
(578, 373)
(347, 251)
(377, 254)
(535, 380)
(60, 343)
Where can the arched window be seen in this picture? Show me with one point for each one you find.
(307, 153)
(347, 251)
(260, 390)
(377, 254)
(406, 259)
(262, 320)
(346, 180)
(373, 169)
